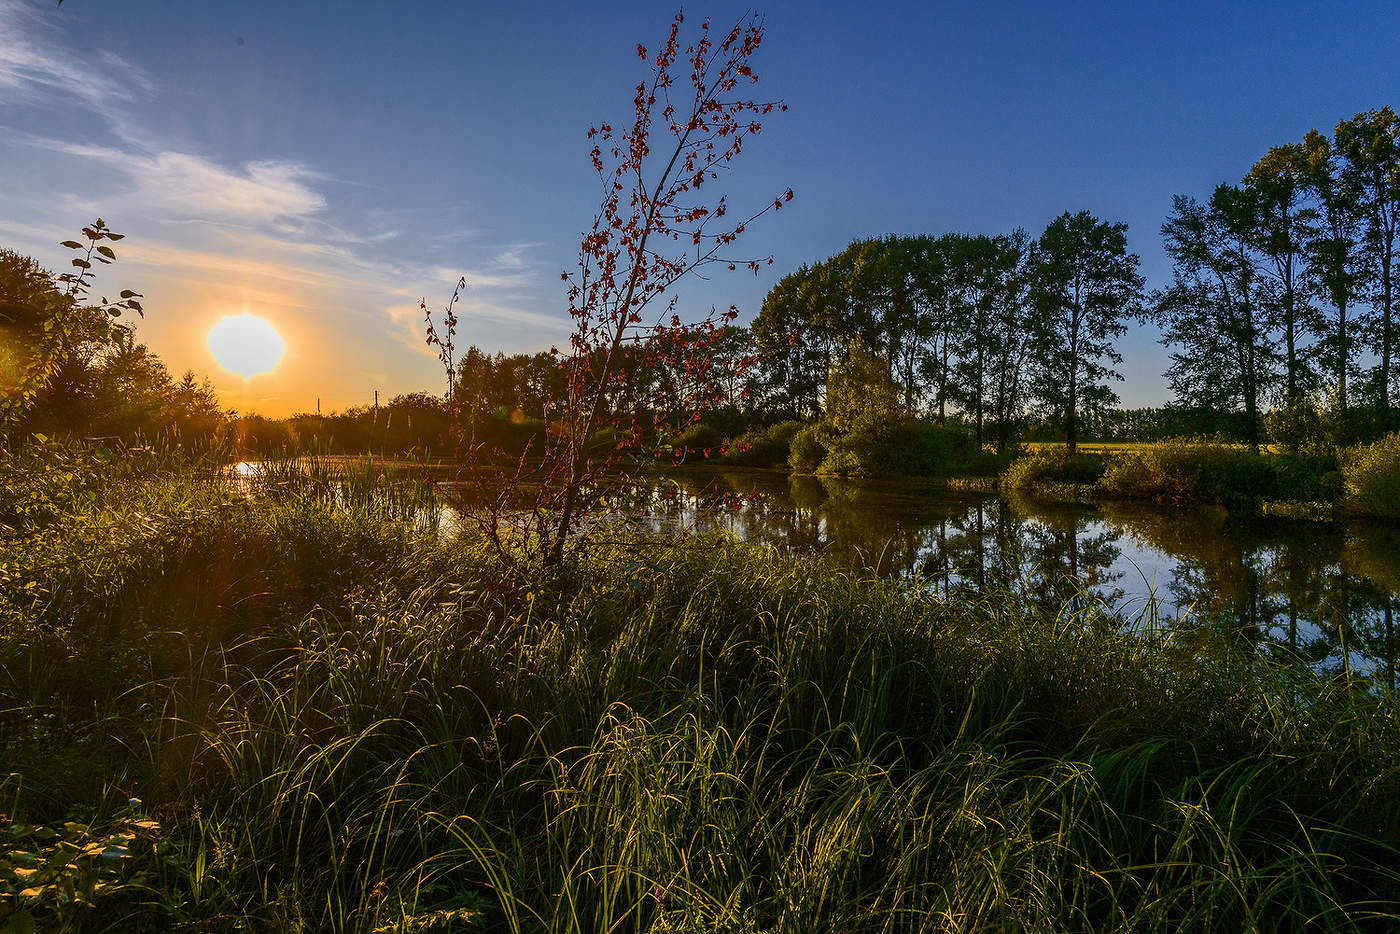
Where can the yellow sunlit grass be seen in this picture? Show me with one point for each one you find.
(246, 345)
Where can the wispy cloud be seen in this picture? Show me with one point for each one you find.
(181, 186)
(273, 233)
(34, 65)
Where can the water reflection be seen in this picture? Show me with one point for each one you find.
(1321, 594)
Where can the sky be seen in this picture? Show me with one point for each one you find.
(323, 166)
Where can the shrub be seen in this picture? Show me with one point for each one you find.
(1052, 465)
(891, 445)
(1192, 471)
(982, 462)
(1371, 475)
(764, 447)
(1305, 478)
(700, 437)
(809, 446)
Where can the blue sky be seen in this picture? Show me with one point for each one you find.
(325, 165)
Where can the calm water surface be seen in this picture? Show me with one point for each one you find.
(1325, 593)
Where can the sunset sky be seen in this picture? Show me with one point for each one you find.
(323, 165)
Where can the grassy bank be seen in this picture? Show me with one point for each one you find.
(291, 709)
(1362, 480)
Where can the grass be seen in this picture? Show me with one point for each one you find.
(1182, 471)
(289, 708)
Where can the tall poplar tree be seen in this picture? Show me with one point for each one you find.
(1275, 194)
(1370, 143)
(1212, 313)
(1336, 260)
(1085, 288)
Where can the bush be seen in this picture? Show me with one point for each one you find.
(891, 445)
(1307, 478)
(1371, 475)
(1052, 465)
(1192, 471)
(983, 462)
(700, 438)
(763, 447)
(809, 446)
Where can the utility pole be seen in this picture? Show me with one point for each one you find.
(376, 402)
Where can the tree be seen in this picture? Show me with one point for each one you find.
(1280, 230)
(1085, 286)
(651, 230)
(47, 325)
(1335, 255)
(794, 351)
(1370, 143)
(859, 385)
(1212, 310)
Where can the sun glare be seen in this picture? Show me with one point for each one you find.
(246, 344)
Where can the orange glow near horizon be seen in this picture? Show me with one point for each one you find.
(246, 345)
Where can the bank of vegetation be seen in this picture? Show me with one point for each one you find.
(1363, 479)
(297, 702)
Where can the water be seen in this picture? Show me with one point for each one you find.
(1322, 594)
(1325, 594)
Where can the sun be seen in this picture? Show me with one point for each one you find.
(246, 344)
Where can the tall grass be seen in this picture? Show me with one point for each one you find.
(347, 722)
(1372, 476)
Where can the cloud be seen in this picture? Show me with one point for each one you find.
(205, 235)
(181, 186)
(36, 66)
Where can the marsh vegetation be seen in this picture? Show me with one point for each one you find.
(288, 705)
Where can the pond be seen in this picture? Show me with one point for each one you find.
(1324, 593)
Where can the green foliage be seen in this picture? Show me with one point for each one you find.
(884, 445)
(50, 875)
(809, 446)
(876, 445)
(1371, 473)
(1052, 465)
(346, 723)
(1301, 427)
(700, 438)
(861, 386)
(770, 446)
(45, 318)
(985, 463)
(1192, 471)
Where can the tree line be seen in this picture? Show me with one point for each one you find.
(1281, 304)
(1284, 284)
(1279, 317)
(987, 326)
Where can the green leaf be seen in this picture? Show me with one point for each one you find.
(136, 306)
(83, 263)
(127, 293)
(116, 312)
(107, 252)
(112, 236)
(72, 244)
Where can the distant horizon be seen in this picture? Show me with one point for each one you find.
(324, 173)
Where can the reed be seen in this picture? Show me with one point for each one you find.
(336, 718)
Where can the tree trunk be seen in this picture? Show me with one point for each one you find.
(1346, 357)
